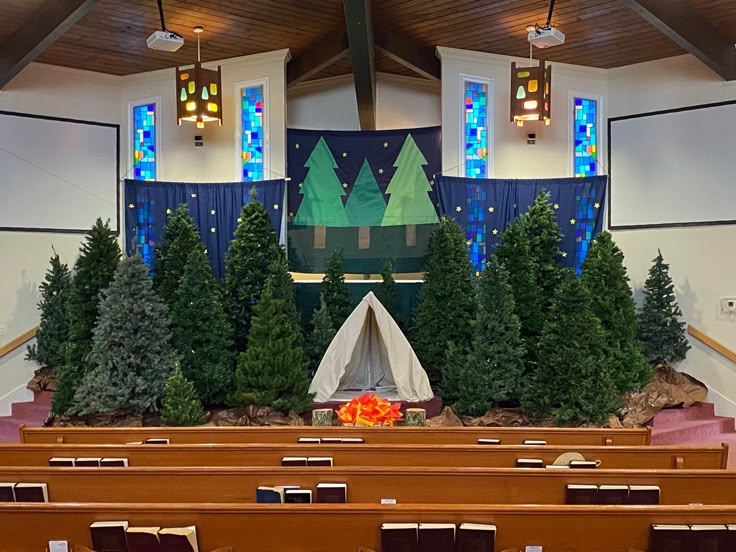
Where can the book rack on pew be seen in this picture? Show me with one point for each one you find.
(80, 548)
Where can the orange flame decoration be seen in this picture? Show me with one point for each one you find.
(369, 410)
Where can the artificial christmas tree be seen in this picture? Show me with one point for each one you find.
(53, 331)
(201, 333)
(661, 332)
(247, 264)
(573, 380)
(335, 291)
(98, 259)
(446, 303)
(321, 336)
(604, 276)
(181, 405)
(271, 372)
(387, 292)
(180, 238)
(131, 350)
(282, 287)
(545, 237)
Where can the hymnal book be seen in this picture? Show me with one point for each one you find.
(316, 461)
(143, 539)
(109, 536)
(178, 539)
(298, 496)
(489, 441)
(613, 494)
(669, 538)
(643, 494)
(31, 492)
(529, 463)
(437, 537)
(310, 440)
(269, 495)
(352, 440)
(557, 467)
(709, 538)
(87, 462)
(332, 493)
(475, 537)
(58, 462)
(534, 442)
(399, 537)
(582, 494)
(294, 461)
(583, 464)
(156, 441)
(114, 463)
(6, 492)
(134, 443)
(331, 440)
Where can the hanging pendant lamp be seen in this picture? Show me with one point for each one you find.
(531, 93)
(198, 92)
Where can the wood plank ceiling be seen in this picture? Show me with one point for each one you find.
(111, 38)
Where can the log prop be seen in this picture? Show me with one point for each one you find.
(322, 417)
(416, 417)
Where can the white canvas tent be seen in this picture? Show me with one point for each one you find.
(370, 353)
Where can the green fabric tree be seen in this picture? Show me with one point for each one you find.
(661, 332)
(321, 336)
(322, 202)
(271, 372)
(247, 264)
(387, 292)
(446, 303)
(409, 188)
(573, 381)
(53, 331)
(132, 351)
(335, 291)
(604, 276)
(181, 405)
(545, 237)
(494, 369)
(201, 333)
(98, 259)
(180, 238)
(365, 205)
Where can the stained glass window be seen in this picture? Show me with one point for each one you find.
(476, 129)
(144, 142)
(251, 109)
(586, 137)
(585, 217)
(145, 239)
(475, 228)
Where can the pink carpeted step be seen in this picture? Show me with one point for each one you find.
(30, 410)
(9, 429)
(691, 431)
(697, 411)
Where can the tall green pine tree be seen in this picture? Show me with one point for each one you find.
(132, 351)
(661, 332)
(201, 332)
(53, 330)
(604, 275)
(335, 291)
(181, 405)
(282, 287)
(323, 331)
(387, 292)
(446, 303)
(545, 237)
(271, 372)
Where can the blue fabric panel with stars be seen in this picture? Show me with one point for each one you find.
(215, 208)
(485, 207)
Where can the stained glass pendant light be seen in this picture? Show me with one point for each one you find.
(198, 92)
(531, 93)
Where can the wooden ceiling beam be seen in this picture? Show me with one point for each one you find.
(360, 38)
(48, 23)
(685, 27)
(319, 56)
(422, 61)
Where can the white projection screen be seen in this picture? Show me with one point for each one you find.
(57, 175)
(673, 168)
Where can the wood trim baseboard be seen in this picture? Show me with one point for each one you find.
(712, 343)
(17, 342)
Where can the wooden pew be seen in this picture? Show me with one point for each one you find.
(612, 457)
(365, 485)
(382, 436)
(341, 528)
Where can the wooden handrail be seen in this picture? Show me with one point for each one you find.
(17, 342)
(712, 343)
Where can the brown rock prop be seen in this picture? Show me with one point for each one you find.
(498, 417)
(416, 417)
(322, 417)
(448, 418)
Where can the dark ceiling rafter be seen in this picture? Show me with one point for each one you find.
(686, 28)
(319, 56)
(422, 61)
(45, 25)
(359, 23)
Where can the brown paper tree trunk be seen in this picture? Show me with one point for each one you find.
(320, 237)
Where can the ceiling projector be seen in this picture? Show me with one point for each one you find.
(544, 37)
(165, 41)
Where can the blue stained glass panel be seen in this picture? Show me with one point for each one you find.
(251, 109)
(585, 217)
(475, 229)
(585, 127)
(476, 129)
(144, 142)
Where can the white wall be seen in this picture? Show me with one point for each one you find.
(509, 154)
(329, 104)
(701, 259)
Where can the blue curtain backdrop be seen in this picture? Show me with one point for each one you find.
(215, 208)
(484, 207)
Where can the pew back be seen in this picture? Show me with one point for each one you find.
(382, 436)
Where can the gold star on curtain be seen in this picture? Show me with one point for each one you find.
(131, 206)
(168, 211)
(301, 184)
(572, 221)
(344, 154)
(458, 208)
(344, 184)
(597, 205)
(495, 232)
(556, 206)
(212, 211)
(491, 209)
(385, 144)
(276, 206)
(380, 171)
(296, 146)
(194, 195)
(564, 253)
(239, 220)
(212, 229)
(469, 242)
